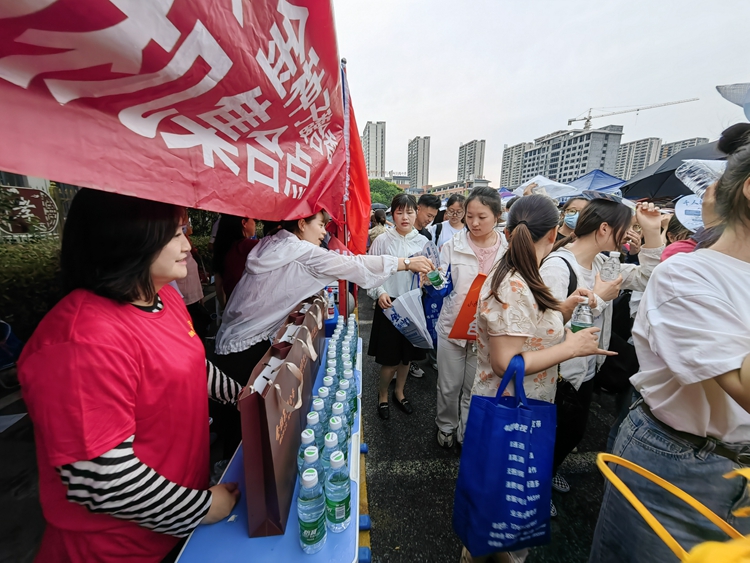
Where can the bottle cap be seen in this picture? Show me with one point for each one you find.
(351, 316)
(348, 365)
(318, 404)
(328, 381)
(332, 362)
(337, 460)
(313, 418)
(340, 396)
(335, 423)
(348, 374)
(331, 440)
(614, 254)
(323, 392)
(338, 408)
(308, 436)
(344, 384)
(309, 478)
(311, 454)
(330, 372)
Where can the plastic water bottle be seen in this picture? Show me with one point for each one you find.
(341, 398)
(326, 396)
(333, 363)
(338, 495)
(346, 352)
(313, 423)
(319, 406)
(611, 268)
(353, 329)
(436, 279)
(332, 352)
(698, 175)
(328, 381)
(308, 439)
(338, 410)
(311, 461)
(582, 318)
(336, 426)
(351, 394)
(332, 373)
(311, 513)
(332, 445)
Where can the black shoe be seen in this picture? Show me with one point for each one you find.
(384, 411)
(404, 405)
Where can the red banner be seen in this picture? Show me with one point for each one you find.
(227, 105)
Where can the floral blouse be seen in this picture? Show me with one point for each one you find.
(516, 315)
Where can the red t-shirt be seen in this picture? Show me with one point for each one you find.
(234, 263)
(96, 372)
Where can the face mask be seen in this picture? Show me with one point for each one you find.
(571, 221)
(504, 217)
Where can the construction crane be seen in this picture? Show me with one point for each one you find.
(589, 117)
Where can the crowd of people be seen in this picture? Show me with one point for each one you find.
(117, 380)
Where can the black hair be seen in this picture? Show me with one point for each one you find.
(531, 218)
(733, 137)
(230, 231)
(455, 198)
(487, 197)
(617, 215)
(510, 203)
(429, 200)
(403, 201)
(379, 216)
(111, 240)
(731, 203)
(293, 226)
(677, 230)
(570, 202)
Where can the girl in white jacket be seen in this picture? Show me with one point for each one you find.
(469, 253)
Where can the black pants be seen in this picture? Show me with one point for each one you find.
(572, 417)
(238, 366)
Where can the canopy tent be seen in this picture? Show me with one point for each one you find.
(236, 107)
(599, 181)
(554, 189)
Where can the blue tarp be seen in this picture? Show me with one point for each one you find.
(599, 181)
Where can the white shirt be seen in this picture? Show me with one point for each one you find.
(281, 271)
(446, 233)
(693, 324)
(394, 244)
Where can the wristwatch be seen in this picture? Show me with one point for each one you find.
(406, 263)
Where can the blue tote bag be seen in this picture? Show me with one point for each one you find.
(432, 300)
(504, 483)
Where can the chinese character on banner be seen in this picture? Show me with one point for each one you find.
(179, 101)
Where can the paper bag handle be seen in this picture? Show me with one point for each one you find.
(318, 315)
(297, 374)
(307, 344)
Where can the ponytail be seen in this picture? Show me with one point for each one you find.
(531, 218)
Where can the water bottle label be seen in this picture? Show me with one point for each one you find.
(337, 511)
(312, 532)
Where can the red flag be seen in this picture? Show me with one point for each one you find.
(358, 186)
(232, 106)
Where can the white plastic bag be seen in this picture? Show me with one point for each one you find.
(407, 315)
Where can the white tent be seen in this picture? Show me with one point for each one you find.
(553, 189)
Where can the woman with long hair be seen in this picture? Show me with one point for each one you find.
(443, 231)
(517, 314)
(378, 225)
(116, 382)
(691, 428)
(234, 241)
(472, 252)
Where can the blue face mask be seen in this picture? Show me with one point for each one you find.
(571, 221)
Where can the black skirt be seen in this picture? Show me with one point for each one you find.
(388, 345)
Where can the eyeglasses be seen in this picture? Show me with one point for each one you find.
(453, 213)
(571, 211)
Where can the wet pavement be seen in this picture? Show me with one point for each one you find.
(411, 480)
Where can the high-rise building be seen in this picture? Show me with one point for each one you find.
(471, 161)
(510, 175)
(634, 156)
(373, 145)
(567, 155)
(419, 162)
(668, 149)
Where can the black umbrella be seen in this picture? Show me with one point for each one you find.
(379, 206)
(659, 180)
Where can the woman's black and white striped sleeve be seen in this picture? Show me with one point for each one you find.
(120, 484)
(221, 387)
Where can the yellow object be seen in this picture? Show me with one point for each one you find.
(731, 552)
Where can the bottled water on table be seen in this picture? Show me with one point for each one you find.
(308, 439)
(312, 461)
(582, 318)
(352, 329)
(338, 410)
(347, 366)
(313, 423)
(332, 373)
(332, 445)
(311, 513)
(325, 394)
(319, 406)
(338, 495)
(336, 426)
(611, 268)
(343, 399)
(351, 394)
(334, 363)
(329, 381)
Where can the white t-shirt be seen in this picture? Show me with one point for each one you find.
(693, 324)
(446, 233)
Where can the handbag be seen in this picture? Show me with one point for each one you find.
(432, 301)
(504, 486)
(407, 315)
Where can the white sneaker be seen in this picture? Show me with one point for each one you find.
(444, 439)
(560, 484)
(415, 370)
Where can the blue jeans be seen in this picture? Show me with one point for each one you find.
(622, 536)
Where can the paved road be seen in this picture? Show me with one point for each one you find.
(411, 480)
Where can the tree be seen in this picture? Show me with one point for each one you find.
(383, 192)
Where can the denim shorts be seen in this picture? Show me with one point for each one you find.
(622, 536)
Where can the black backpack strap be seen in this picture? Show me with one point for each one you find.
(573, 279)
(438, 230)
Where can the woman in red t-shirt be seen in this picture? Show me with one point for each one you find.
(116, 381)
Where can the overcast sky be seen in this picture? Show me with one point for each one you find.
(509, 71)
